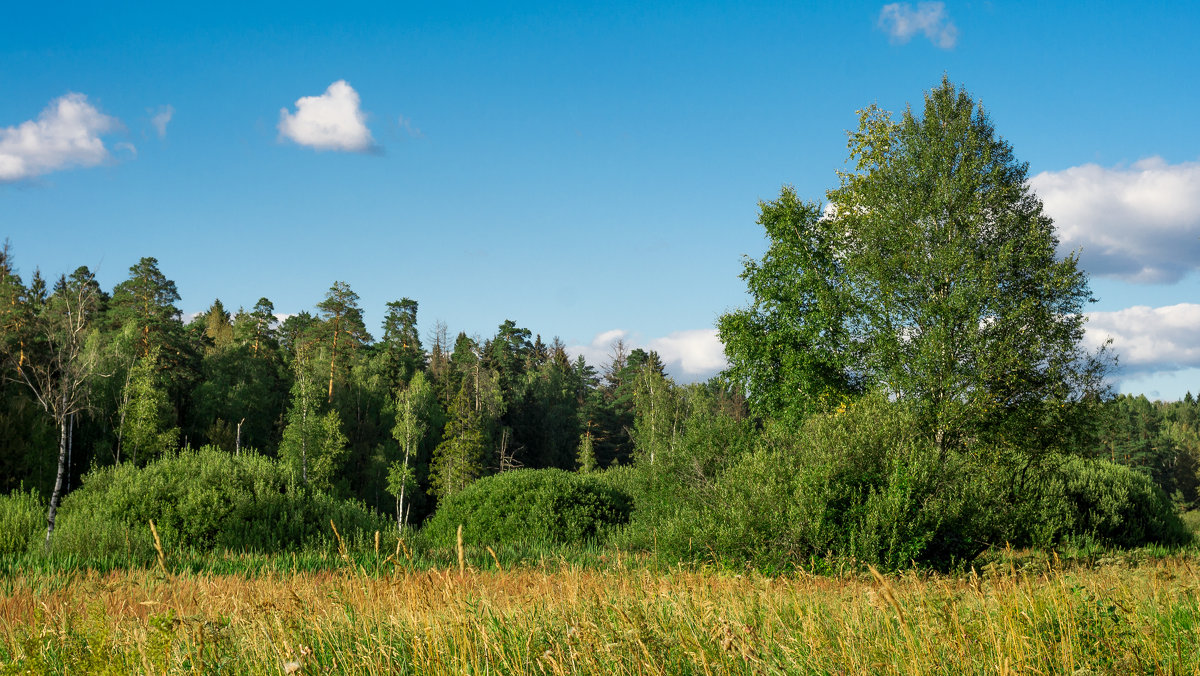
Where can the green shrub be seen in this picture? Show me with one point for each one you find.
(1113, 504)
(860, 484)
(201, 500)
(528, 506)
(22, 521)
(669, 493)
(865, 486)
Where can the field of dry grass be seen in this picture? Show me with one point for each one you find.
(555, 618)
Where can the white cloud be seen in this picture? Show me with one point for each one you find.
(66, 134)
(901, 22)
(161, 118)
(1149, 340)
(1139, 223)
(696, 352)
(331, 121)
(689, 356)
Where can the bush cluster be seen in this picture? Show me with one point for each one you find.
(1110, 504)
(22, 521)
(202, 500)
(864, 485)
(530, 506)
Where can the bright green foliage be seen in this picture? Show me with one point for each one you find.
(864, 483)
(859, 483)
(401, 481)
(791, 348)
(313, 443)
(217, 327)
(586, 456)
(711, 440)
(200, 500)
(472, 435)
(22, 520)
(52, 350)
(415, 407)
(259, 325)
(933, 277)
(146, 431)
(960, 299)
(526, 506)
(659, 412)
(507, 354)
(297, 332)
(672, 493)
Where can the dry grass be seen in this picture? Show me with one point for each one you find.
(1110, 619)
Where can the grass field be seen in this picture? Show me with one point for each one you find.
(1021, 613)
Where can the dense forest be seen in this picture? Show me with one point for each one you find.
(351, 414)
(894, 394)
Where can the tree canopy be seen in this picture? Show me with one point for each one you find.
(931, 275)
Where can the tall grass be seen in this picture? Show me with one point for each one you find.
(1017, 615)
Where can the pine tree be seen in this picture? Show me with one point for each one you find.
(344, 327)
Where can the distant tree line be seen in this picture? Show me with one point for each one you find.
(97, 378)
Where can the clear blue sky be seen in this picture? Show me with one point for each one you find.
(583, 169)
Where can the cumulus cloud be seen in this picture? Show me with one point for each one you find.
(900, 21)
(1149, 339)
(66, 134)
(1139, 223)
(689, 356)
(698, 352)
(331, 121)
(161, 118)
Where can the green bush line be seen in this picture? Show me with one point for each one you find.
(853, 487)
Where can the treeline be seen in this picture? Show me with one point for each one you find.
(1160, 439)
(397, 422)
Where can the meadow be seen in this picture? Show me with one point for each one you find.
(392, 609)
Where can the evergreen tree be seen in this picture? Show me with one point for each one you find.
(343, 326)
(217, 327)
(462, 456)
(401, 341)
(147, 300)
(586, 455)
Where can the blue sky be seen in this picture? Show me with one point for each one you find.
(590, 171)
